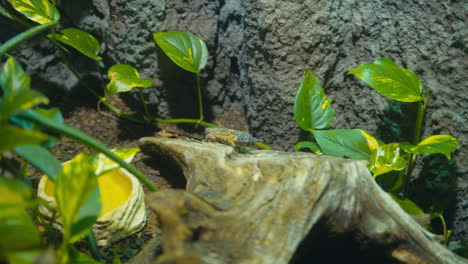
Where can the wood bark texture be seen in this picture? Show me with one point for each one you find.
(258, 207)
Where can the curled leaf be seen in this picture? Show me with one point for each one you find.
(123, 78)
(443, 144)
(388, 157)
(312, 108)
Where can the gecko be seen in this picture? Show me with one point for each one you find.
(230, 136)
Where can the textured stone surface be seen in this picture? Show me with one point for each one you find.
(259, 50)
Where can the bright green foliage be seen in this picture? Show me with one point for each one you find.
(443, 144)
(77, 196)
(344, 143)
(123, 78)
(77, 257)
(16, 93)
(13, 78)
(391, 181)
(312, 146)
(40, 158)
(40, 11)
(25, 257)
(104, 165)
(406, 204)
(13, 103)
(390, 80)
(52, 114)
(12, 137)
(312, 108)
(17, 229)
(80, 40)
(461, 248)
(184, 49)
(386, 158)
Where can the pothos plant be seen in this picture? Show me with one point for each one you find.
(28, 130)
(185, 49)
(314, 112)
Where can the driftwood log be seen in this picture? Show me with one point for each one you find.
(259, 207)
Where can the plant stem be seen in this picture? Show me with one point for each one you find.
(142, 98)
(93, 247)
(120, 114)
(185, 120)
(24, 36)
(7, 14)
(263, 146)
(70, 132)
(70, 67)
(422, 106)
(200, 104)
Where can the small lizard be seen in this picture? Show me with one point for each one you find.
(230, 136)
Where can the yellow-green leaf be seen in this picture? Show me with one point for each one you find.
(390, 80)
(19, 100)
(40, 11)
(17, 229)
(184, 49)
(13, 78)
(406, 204)
(312, 146)
(104, 165)
(77, 196)
(443, 144)
(80, 40)
(312, 108)
(386, 158)
(123, 78)
(13, 136)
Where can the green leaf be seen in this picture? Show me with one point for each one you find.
(40, 11)
(391, 181)
(406, 204)
(388, 157)
(312, 146)
(312, 108)
(461, 248)
(184, 49)
(76, 257)
(24, 256)
(52, 114)
(13, 78)
(390, 80)
(443, 144)
(344, 143)
(24, 36)
(123, 78)
(12, 137)
(40, 158)
(80, 40)
(104, 164)
(77, 195)
(20, 100)
(17, 229)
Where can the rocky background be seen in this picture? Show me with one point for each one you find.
(259, 50)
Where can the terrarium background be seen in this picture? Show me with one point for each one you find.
(258, 53)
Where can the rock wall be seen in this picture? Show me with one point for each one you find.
(259, 50)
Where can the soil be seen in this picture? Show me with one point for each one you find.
(117, 132)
